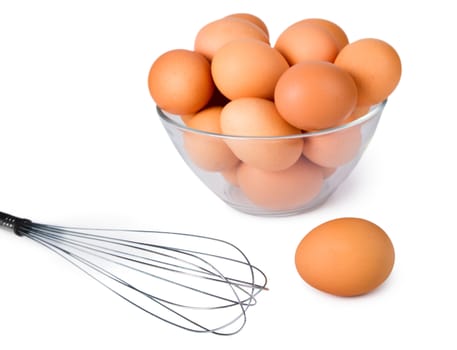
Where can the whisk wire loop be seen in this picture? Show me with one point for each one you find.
(183, 279)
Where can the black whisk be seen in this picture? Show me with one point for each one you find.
(196, 283)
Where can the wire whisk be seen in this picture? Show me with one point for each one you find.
(193, 282)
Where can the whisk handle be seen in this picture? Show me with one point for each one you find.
(13, 223)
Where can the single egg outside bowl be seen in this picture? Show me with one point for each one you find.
(274, 175)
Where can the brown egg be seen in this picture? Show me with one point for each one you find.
(216, 34)
(333, 149)
(253, 116)
(216, 100)
(180, 81)
(359, 111)
(335, 30)
(281, 190)
(247, 68)
(303, 41)
(345, 257)
(375, 67)
(231, 175)
(186, 118)
(327, 172)
(315, 95)
(206, 151)
(253, 19)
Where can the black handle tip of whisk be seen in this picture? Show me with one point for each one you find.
(13, 223)
(20, 224)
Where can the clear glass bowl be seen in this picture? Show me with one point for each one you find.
(248, 185)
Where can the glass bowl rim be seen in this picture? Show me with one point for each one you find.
(375, 110)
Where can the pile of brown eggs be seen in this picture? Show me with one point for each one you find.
(235, 82)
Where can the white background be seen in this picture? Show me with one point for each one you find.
(81, 144)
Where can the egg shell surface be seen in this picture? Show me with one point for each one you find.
(253, 19)
(216, 34)
(303, 41)
(314, 95)
(281, 190)
(257, 117)
(180, 81)
(345, 257)
(334, 29)
(206, 151)
(247, 68)
(333, 149)
(374, 65)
